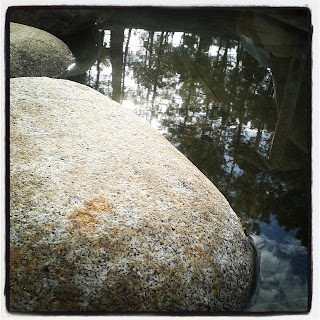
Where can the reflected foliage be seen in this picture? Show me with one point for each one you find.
(214, 101)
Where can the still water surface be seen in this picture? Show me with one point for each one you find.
(234, 99)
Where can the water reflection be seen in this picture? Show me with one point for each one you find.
(284, 278)
(235, 101)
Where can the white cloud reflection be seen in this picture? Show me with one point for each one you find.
(282, 285)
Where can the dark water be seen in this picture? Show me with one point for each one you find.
(224, 98)
(230, 90)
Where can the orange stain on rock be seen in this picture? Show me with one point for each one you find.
(98, 204)
(57, 272)
(15, 256)
(84, 216)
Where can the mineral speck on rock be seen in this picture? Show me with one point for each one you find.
(106, 215)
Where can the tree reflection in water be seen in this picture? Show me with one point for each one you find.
(216, 104)
(225, 103)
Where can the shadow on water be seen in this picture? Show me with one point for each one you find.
(231, 90)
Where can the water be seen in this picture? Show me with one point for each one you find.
(230, 90)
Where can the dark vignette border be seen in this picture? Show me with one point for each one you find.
(7, 156)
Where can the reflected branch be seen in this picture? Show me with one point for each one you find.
(289, 101)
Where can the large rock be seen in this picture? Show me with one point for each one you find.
(106, 215)
(36, 53)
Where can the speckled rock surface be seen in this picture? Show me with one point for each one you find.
(36, 53)
(106, 215)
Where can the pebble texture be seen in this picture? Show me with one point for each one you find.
(106, 215)
(36, 53)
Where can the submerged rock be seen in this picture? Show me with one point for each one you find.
(106, 215)
(36, 53)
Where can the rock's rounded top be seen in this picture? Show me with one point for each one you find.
(109, 216)
(36, 53)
